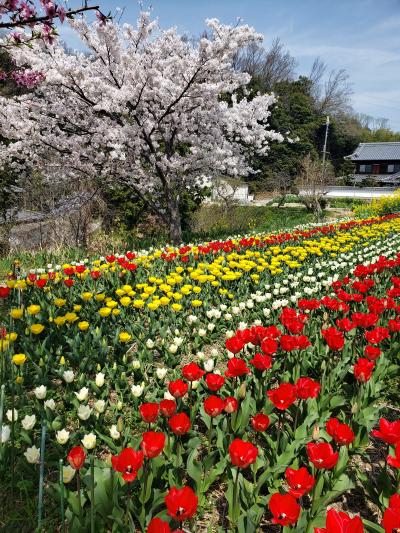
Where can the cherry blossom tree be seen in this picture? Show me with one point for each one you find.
(146, 108)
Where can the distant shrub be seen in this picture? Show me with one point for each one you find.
(385, 205)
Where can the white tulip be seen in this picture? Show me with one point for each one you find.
(135, 364)
(32, 455)
(28, 422)
(115, 434)
(168, 396)
(202, 332)
(9, 415)
(89, 441)
(68, 376)
(161, 372)
(84, 412)
(68, 473)
(195, 384)
(210, 326)
(50, 404)
(5, 434)
(40, 392)
(173, 348)
(62, 436)
(150, 344)
(100, 379)
(100, 406)
(209, 365)
(137, 390)
(83, 394)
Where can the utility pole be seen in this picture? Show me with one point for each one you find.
(324, 151)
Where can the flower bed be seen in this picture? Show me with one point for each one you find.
(255, 365)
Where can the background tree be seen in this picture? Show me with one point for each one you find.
(312, 183)
(144, 110)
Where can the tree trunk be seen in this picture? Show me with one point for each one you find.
(5, 230)
(175, 227)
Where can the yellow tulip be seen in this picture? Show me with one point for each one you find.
(19, 359)
(60, 320)
(104, 311)
(59, 302)
(124, 337)
(84, 325)
(33, 309)
(16, 313)
(36, 329)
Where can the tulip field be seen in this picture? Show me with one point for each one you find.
(224, 386)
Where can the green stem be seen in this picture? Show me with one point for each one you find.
(62, 503)
(78, 488)
(235, 503)
(41, 475)
(92, 494)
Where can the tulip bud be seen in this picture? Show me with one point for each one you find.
(98, 367)
(115, 366)
(41, 362)
(315, 433)
(354, 408)
(123, 376)
(119, 406)
(242, 391)
(62, 360)
(124, 358)
(120, 424)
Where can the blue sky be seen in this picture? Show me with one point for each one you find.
(362, 36)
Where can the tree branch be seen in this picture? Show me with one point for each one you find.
(45, 18)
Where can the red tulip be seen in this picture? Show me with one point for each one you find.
(260, 422)
(234, 345)
(363, 369)
(167, 407)
(294, 342)
(322, 455)
(372, 352)
(394, 461)
(391, 516)
(231, 405)
(269, 346)
(179, 423)
(214, 381)
(300, 481)
(149, 412)
(309, 305)
(192, 372)
(4, 292)
(364, 320)
(376, 335)
(345, 324)
(284, 508)
(41, 283)
(284, 396)
(157, 525)
(242, 453)
(292, 321)
(307, 388)
(181, 503)
(236, 368)
(213, 406)
(261, 362)
(389, 432)
(110, 258)
(339, 522)
(128, 462)
(342, 434)
(95, 274)
(69, 282)
(334, 338)
(152, 443)
(76, 457)
(178, 388)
